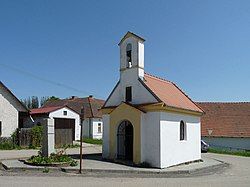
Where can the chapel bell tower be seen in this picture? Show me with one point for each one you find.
(131, 57)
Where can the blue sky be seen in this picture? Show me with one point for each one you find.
(202, 46)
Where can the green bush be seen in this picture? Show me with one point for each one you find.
(8, 146)
(36, 133)
(7, 143)
(59, 157)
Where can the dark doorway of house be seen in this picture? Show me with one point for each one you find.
(64, 131)
(125, 141)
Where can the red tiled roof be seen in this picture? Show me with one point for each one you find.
(167, 92)
(91, 105)
(225, 119)
(44, 110)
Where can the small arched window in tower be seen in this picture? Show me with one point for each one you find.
(129, 55)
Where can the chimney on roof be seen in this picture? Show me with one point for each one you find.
(73, 97)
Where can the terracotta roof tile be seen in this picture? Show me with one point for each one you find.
(45, 110)
(169, 93)
(91, 105)
(225, 119)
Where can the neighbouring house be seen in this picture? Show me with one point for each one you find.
(13, 113)
(66, 122)
(147, 119)
(226, 125)
(89, 107)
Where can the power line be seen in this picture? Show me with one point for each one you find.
(65, 86)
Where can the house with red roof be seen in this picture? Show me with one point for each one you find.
(147, 119)
(226, 124)
(68, 114)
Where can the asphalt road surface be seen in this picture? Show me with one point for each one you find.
(238, 174)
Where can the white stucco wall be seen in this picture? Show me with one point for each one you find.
(173, 150)
(140, 94)
(228, 143)
(70, 115)
(86, 132)
(8, 117)
(150, 138)
(9, 108)
(90, 128)
(105, 137)
(95, 133)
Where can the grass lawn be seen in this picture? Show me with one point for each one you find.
(92, 141)
(223, 151)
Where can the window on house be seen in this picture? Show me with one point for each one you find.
(65, 113)
(129, 55)
(182, 131)
(128, 94)
(99, 128)
(0, 128)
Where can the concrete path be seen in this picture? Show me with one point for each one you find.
(236, 175)
(20, 154)
(94, 164)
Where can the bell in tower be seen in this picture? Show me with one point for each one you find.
(131, 56)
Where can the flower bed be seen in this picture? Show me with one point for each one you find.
(54, 160)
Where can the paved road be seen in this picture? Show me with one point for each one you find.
(16, 154)
(238, 174)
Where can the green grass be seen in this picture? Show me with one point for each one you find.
(92, 141)
(11, 146)
(228, 152)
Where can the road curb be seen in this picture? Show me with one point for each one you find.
(131, 172)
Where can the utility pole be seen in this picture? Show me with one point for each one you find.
(81, 139)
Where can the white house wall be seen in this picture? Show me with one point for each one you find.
(70, 115)
(95, 133)
(86, 132)
(140, 94)
(90, 128)
(105, 138)
(183, 151)
(8, 113)
(150, 138)
(8, 116)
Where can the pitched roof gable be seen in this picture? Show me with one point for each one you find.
(129, 34)
(222, 119)
(44, 110)
(90, 105)
(167, 92)
(13, 96)
(47, 110)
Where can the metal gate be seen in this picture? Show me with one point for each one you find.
(125, 141)
(64, 131)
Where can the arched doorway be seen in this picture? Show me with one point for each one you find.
(125, 141)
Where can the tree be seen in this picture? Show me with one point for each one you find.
(34, 102)
(43, 100)
(46, 99)
(31, 102)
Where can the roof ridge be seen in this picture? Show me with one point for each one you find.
(167, 81)
(222, 102)
(187, 96)
(156, 77)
